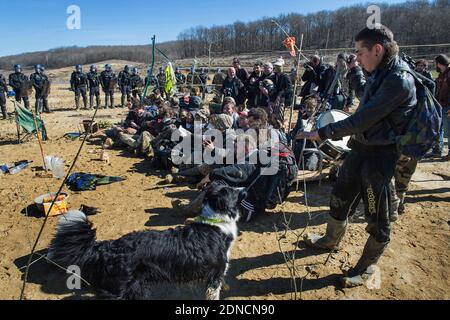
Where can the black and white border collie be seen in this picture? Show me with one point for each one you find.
(123, 268)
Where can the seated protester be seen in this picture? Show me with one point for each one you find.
(252, 85)
(422, 68)
(277, 126)
(233, 87)
(135, 135)
(311, 159)
(155, 98)
(245, 145)
(186, 120)
(230, 109)
(243, 121)
(132, 124)
(223, 123)
(264, 191)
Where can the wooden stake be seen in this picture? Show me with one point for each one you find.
(38, 133)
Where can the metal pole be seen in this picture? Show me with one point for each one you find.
(295, 84)
(149, 75)
(38, 133)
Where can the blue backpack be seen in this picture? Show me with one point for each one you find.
(423, 130)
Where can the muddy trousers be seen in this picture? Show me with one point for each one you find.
(109, 97)
(82, 91)
(126, 95)
(41, 103)
(366, 176)
(26, 100)
(94, 92)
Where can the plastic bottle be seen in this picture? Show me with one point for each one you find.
(18, 168)
(56, 165)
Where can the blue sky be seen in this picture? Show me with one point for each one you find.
(34, 25)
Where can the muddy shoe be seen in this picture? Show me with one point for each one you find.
(330, 241)
(168, 179)
(371, 278)
(108, 143)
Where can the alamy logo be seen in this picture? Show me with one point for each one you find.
(74, 20)
(374, 21)
(74, 280)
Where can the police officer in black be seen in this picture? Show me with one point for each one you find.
(41, 85)
(3, 92)
(136, 83)
(79, 84)
(20, 84)
(108, 80)
(124, 85)
(94, 86)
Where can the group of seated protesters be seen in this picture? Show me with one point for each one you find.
(203, 144)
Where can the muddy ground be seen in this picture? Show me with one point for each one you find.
(415, 265)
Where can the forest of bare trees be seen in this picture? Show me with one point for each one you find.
(414, 23)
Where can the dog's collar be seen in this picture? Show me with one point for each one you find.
(202, 219)
(209, 216)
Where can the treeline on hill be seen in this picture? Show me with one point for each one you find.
(413, 22)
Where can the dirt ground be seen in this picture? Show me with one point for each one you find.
(415, 265)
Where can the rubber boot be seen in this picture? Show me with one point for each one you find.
(77, 104)
(85, 103)
(122, 101)
(370, 256)
(330, 241)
